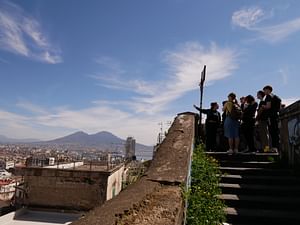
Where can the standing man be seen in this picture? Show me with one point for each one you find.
(272, 106)
(248, 121)
(212, 123)
(262, 123)
(242, 102)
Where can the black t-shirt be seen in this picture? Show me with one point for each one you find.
(213, 116)
(262, 113)
(268, 99)
(275, 106)
(249, 113)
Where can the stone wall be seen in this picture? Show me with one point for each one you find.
(114, 183)
(156, 199)
(64, 189)
(290, 134)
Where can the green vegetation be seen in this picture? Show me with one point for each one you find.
(135, 171)
(204, 207)
(271, 159)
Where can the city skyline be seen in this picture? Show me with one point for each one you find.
(124, 67)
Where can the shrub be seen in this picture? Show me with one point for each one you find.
(204, 206)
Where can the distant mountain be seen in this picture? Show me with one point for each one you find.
(6, 140)
(83, 138)
(103, 139)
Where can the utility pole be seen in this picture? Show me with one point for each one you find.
(160, 135)
(168, 125)
(201, 84)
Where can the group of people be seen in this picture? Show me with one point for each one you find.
(245, 118)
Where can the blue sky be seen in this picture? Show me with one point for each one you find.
(125, 66)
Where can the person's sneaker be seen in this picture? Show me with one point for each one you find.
(274, 150)
(267, 149)
(235, 151)
(230, 151)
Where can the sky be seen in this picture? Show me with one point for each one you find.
(126, 66)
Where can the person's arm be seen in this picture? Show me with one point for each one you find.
(205, 111)
(196, 107)
(219, 118)
(254, 108)
(259, 112)
(224, 107)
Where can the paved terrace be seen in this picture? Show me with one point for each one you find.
(30, 217)
(156, 198)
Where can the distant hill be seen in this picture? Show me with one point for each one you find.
(83, 138)
(7, 140)
(103, 139)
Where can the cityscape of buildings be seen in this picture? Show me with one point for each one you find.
(57, 178)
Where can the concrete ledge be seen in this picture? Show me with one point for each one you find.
(172, 157)
(161, 207)
(156, 198)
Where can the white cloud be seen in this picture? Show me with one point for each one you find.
(111, 80)
(279, 32)
(110, 63)
(22, 34)
(8, 116)
(184, 66)
(28, 106)
(138, 116)
(251, 17)
(15, 125)
(112, 74)
(59, 122)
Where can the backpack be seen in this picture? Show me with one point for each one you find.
(275, 103)
(236, 112)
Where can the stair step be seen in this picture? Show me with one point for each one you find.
(260, 201)
(249, 164)
(271, 157)
(262, 216)
(260, 189)
(256, 171)
(259, 179)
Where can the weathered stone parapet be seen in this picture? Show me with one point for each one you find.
(172, 157)
(290, 134)
(156, 199)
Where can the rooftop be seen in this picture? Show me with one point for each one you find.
(30, 217)
(91, 168)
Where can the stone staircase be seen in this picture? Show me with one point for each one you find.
(258, 190)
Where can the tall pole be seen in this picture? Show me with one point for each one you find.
(201, 84)
(160, 135)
